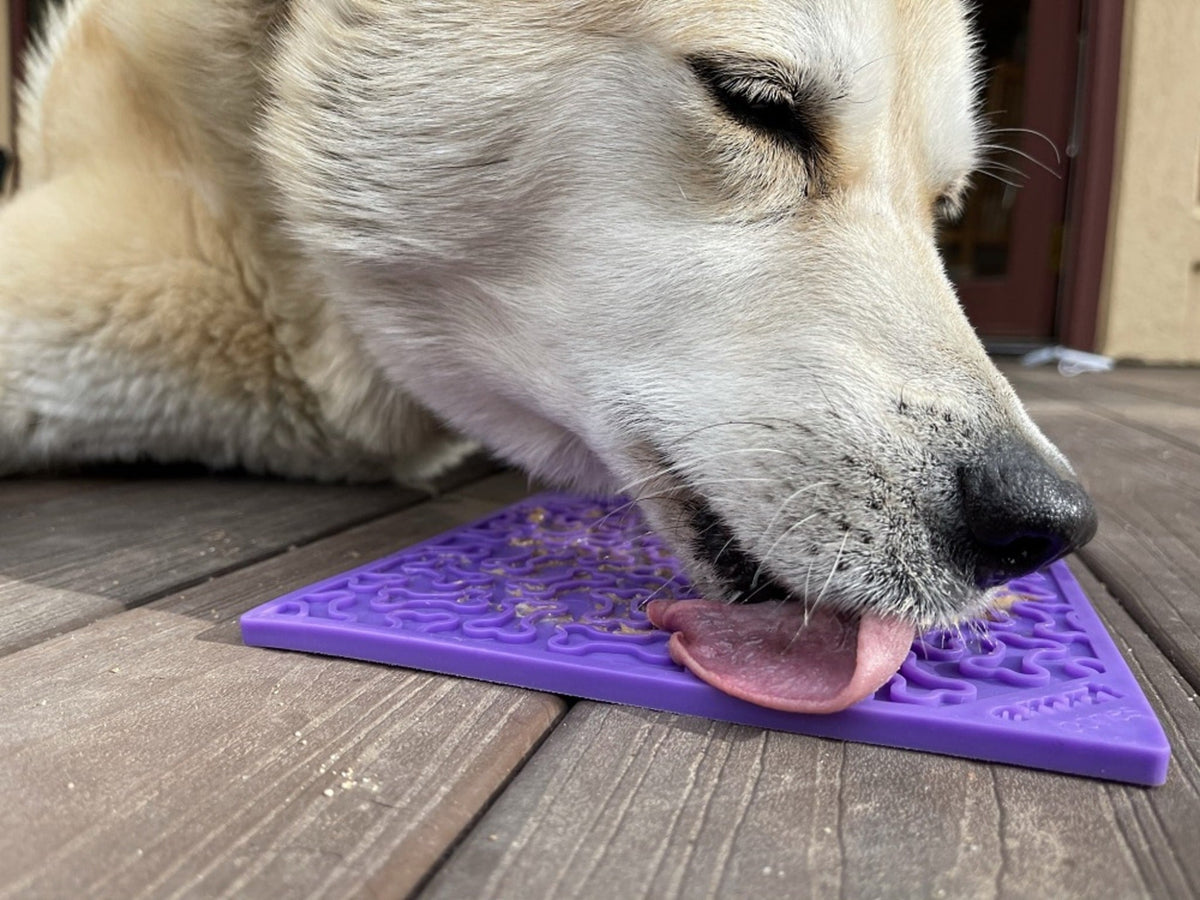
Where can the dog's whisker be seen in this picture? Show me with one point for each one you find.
(708, 482)
(805, 619)
(687, 464)
(726, 424)
(1021, 153)
(784, 505)
(877, 59)
(765, 556)
(832, 569)
(769, 423)
(717, 482)
(654, 594)
(721, 552)
(668, 496)
(1035, 133)
(1004, 181)
(996, 165)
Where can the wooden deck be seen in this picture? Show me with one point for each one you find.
(147, 753)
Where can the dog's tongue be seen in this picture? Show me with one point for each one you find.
(768, 654)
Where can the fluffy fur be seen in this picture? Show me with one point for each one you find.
(345, 238)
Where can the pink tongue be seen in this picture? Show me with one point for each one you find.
(765, 652)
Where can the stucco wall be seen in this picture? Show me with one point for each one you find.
(1151, 307)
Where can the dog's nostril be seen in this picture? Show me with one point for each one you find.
(998, 564)
(1020, 513)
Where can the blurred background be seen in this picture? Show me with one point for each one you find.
(1083, 230)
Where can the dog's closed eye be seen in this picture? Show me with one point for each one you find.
(950, 204)
(759, 96)
(948, 207)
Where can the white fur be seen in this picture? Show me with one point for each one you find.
(300, 236)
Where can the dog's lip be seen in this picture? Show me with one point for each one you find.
(780, 655)
(766, 645)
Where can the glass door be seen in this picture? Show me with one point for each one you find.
(1004, 253)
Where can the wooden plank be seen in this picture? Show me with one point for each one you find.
(1119, 397)
(623, 802)
(151, 754)
(1140, 457)
(1180, 384)
(75, 549)
(70, 558)
(1159, 825)
(20, 497)
(1147, 551)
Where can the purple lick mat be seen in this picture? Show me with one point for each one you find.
(547, 594)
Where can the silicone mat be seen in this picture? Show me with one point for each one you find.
(547, 594)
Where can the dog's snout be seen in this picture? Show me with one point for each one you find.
(1021, 513)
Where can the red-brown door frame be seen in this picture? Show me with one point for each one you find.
(17, 28)
(17, 24)
(1089, 202)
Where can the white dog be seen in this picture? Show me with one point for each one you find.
(675, 247)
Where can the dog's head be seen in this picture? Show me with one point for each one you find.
(686, 250)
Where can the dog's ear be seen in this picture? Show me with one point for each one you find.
(4, 161)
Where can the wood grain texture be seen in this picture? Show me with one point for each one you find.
(151, 754)
(1179, 384)
(1134, 437)
(622, 802)
(1158, 826)
(1163, 402)
(1147, 550)
(20, 497)
(67, 558)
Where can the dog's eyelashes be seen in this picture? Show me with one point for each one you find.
(760, 103)
(948, 207)
(950, 204)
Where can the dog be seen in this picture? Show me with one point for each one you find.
(684, 250)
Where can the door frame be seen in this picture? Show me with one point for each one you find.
(14, 24)
(8, 55)
(1089, 202)
(18, 24)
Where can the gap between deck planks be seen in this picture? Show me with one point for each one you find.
(629, 803)
(152, 754)
(73, 550)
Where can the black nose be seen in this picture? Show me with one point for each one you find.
(1021, 514)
